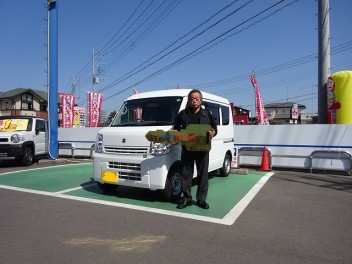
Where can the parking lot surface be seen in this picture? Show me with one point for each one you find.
(75, 181)
(293, 217)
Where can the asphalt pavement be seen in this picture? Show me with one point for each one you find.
(296, 217)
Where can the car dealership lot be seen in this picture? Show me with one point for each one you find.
(294, 218)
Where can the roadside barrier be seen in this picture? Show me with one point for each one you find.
(253, 156)
(76, 151)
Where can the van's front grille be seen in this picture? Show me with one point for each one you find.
(124, 166)
(126, 150)
(127, 171)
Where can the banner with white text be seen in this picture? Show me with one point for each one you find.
(95, 101)
(67, 109)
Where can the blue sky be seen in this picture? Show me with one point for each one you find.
(279, 45)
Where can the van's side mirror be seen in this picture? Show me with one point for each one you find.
(37, 130)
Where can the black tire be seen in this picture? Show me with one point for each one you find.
(106, 187)
(28, 157)
(173, 185)
(226, 166)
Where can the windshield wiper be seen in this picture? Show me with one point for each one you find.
(144, 123)
(160, 123)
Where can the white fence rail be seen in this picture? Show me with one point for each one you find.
(77, 142)
(320, 147)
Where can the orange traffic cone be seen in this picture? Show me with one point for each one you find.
(265, 162)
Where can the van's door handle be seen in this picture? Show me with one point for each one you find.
(228, 140)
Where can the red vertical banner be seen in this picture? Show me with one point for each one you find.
(95, 101)
(67, 109)
(261, 114)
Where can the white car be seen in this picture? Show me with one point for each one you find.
(123, 155)
(23, 139)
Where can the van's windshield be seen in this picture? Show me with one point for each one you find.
(157, 111)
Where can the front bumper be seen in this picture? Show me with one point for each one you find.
(11, 152)
(132, 171)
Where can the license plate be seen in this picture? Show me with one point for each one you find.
(109, 176)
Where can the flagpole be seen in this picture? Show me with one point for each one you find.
(260, 111)
(255, 104)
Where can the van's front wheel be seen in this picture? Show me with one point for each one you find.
(173, 185)
(226, 166)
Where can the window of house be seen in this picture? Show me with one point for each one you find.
(27, 97)
(43, 107)
(27, 101)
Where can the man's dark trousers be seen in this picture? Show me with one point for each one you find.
(202, 161)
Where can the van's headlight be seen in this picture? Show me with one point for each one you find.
(99, 143)
(15, 138)
(159, 148)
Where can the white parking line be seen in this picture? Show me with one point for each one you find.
(77, 188)
(237, 210)
(42, 168)
(228, 219)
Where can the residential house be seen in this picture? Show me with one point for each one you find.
(285, 113)
(24, 101)
(240, 115)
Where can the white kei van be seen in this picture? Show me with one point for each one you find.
(123, 155)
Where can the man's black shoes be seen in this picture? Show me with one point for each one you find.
(184, 203)
(203, 204)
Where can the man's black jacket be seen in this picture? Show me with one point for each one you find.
(184, 117)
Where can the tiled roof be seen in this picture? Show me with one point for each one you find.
(284, 105)
(19, 91)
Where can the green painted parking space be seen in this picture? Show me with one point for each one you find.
(76, 181)
(49, 179)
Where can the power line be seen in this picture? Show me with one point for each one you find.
(146, 29)
(102, 50)
(135, 71)
(192, 53)
(284, 66)
(270, 70)
(129, 42)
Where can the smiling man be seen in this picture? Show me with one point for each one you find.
(195, 114)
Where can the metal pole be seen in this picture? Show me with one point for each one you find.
(323, 58)
(93, 70)
(53, 78)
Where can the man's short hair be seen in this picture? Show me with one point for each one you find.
(195, 91)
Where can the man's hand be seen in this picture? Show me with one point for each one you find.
(212, 133)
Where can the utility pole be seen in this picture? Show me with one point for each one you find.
(74, 84)
(93, 71)
(97, 71)
(323, 58)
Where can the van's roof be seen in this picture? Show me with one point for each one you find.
(176, 92)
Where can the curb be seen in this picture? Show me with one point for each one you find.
(61, 161)
(239, 171)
